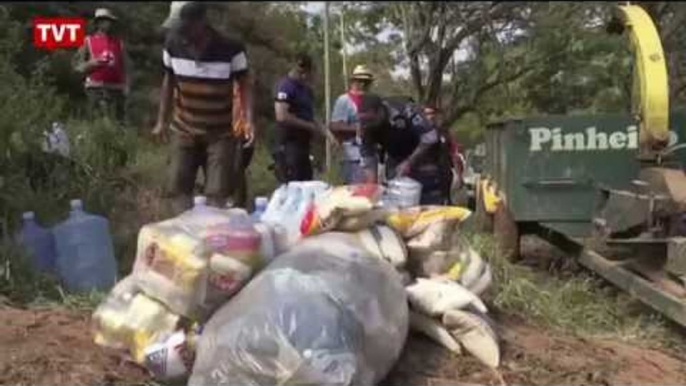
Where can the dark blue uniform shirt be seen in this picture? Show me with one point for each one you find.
(300, 100)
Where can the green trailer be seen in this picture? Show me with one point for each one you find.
(552, 175)
(611, 189)
(549, 169)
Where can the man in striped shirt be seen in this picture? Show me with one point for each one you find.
(196, 104)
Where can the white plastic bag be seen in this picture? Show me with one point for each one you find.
(483, 283)
(434, 330)
(474, 267)
(317, 315)
(57, 141)
(433, 297)
(475, 334)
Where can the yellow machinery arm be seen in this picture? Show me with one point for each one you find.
(650, 77)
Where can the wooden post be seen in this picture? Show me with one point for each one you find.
(327, 82)
(344, 49)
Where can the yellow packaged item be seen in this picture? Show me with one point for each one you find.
(195, 262)
(129, 320)
(413, 221)
(171, 267)
(338, 203)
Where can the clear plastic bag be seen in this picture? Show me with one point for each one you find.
(324, 313)
(127, 319)
(198, 260)
(290, 204)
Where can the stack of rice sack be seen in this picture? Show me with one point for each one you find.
(185, 268)
(444, 276)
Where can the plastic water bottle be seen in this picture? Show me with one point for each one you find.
(39, 243)
(85, 254)
(260, 208)
(277, 200)
(199, 202)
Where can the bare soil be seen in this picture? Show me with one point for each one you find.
(533, 356)
(53, 346)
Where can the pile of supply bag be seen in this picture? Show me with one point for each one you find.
(319, 286)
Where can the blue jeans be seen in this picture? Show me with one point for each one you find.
(352, 171)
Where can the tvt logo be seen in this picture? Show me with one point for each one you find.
(51, 33)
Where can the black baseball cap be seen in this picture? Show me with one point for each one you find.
(304, 61)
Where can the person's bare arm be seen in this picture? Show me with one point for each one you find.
(164, 114)
(82, 63)
(339, 118)
(342, 127)
(284, 117)
(246, 96)
(426, 142)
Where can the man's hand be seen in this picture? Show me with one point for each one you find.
(331, 138)
(403, 169)
(249, 135)
(92, 64)
(160, 133)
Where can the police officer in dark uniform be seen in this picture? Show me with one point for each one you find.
(398, 126)
(294, 107)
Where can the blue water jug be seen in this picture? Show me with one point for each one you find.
(85, 254)
(260, 208)
(39, 243)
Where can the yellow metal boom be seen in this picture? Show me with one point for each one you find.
(650, 77)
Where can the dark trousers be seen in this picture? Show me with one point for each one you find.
(106, 102)
(189, 153)
(292, 162)
(240, 176)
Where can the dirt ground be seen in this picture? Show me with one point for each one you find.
(532, 356)
(54, 347)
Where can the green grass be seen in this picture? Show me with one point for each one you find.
(580, 304)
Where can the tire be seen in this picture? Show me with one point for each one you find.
(506, 232)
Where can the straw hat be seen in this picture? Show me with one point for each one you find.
(361, 72)
(104, 13)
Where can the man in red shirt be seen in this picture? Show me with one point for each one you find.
(104, 61)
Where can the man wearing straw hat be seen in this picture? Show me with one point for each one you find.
(345, 124)
(104, 61)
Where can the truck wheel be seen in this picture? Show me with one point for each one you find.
(506, 233)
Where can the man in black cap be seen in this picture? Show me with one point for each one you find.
(294, 106)
(201, 69)
(399, 127)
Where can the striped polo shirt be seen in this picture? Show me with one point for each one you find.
(204, 82)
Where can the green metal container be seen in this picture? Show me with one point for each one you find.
(549, 168)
